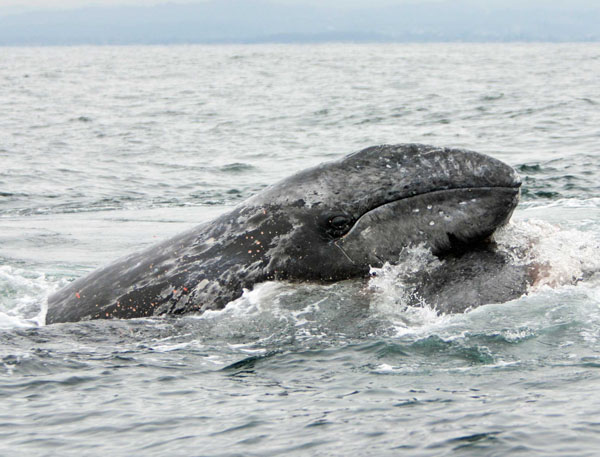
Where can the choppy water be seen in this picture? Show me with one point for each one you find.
(104, 150)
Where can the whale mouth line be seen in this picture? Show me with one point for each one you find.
(516, 188)
(457, 245)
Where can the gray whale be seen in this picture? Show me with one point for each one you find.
(327, 223)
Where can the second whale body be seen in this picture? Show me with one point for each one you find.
(331, 222)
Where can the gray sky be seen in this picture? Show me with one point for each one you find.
(29, 5)
(45, 4)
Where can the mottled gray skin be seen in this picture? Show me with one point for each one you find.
(327, 223)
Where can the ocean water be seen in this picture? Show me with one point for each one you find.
(105, 150)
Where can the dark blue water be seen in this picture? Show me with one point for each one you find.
(105, 150)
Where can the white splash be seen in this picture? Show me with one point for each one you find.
(560, 256)
(251, 303)
(393, 288)
(23, 297)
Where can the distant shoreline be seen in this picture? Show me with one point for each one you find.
(298, 43)
(270, 22)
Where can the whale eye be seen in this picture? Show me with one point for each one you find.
(339, 222)
(336, 224)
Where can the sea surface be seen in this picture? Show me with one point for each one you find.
(106, 150)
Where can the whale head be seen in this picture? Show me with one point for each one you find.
(339, 219)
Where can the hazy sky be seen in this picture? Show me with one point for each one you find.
(19, 6)
(80, 3)
(45, 4)
(28, 5)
